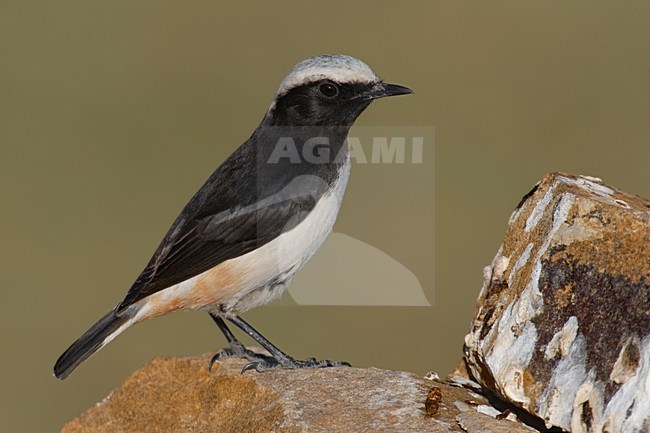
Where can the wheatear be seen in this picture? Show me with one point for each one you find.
(258, 219)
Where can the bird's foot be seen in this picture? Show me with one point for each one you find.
(292, 364)
(239, 351)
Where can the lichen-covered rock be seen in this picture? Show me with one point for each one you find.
(562, 325)
(180, 395)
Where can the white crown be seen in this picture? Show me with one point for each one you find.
(336, 67)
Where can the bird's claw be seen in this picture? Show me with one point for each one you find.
(292, 364)
(238, 351)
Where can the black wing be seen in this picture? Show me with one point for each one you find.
(241, 207)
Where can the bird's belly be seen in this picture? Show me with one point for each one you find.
(258, 276)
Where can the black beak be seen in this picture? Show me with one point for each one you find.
(382, 90)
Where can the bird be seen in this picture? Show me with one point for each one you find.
(258, 218)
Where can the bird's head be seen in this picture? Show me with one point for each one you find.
(328, 90)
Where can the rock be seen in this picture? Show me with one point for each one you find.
(477, 422)
(562, 324)
(180, 395)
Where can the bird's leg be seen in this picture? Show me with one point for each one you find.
(236, 349)
(279, 358)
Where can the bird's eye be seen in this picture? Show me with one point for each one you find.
(328, 90)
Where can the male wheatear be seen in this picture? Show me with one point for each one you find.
(258, 219)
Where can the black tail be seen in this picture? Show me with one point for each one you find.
(89, 343)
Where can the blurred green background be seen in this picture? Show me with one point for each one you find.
(112, 114)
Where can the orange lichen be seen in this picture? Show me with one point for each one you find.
(194, 400)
